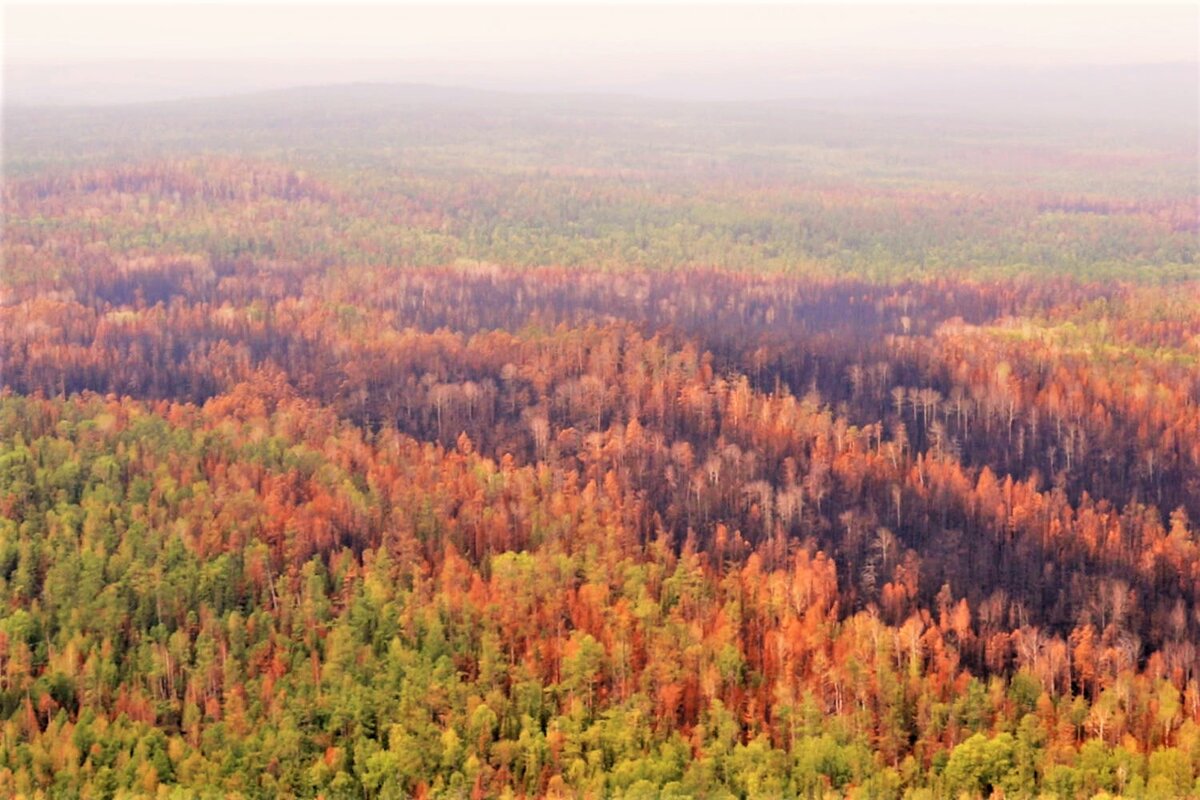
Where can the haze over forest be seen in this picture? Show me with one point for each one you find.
(1099, 59)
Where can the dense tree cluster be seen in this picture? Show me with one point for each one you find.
(288, 509)
(732, 521)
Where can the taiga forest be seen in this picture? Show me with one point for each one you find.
(388, 440)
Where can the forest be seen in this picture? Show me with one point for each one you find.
(405, 443)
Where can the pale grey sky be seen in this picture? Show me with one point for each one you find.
(1012, 33)
(215, 47)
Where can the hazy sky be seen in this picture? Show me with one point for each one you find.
(1020, 33)
(566, 45)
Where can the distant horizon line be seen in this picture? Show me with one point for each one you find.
(469, 85)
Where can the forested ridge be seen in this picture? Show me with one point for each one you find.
(748, 466)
